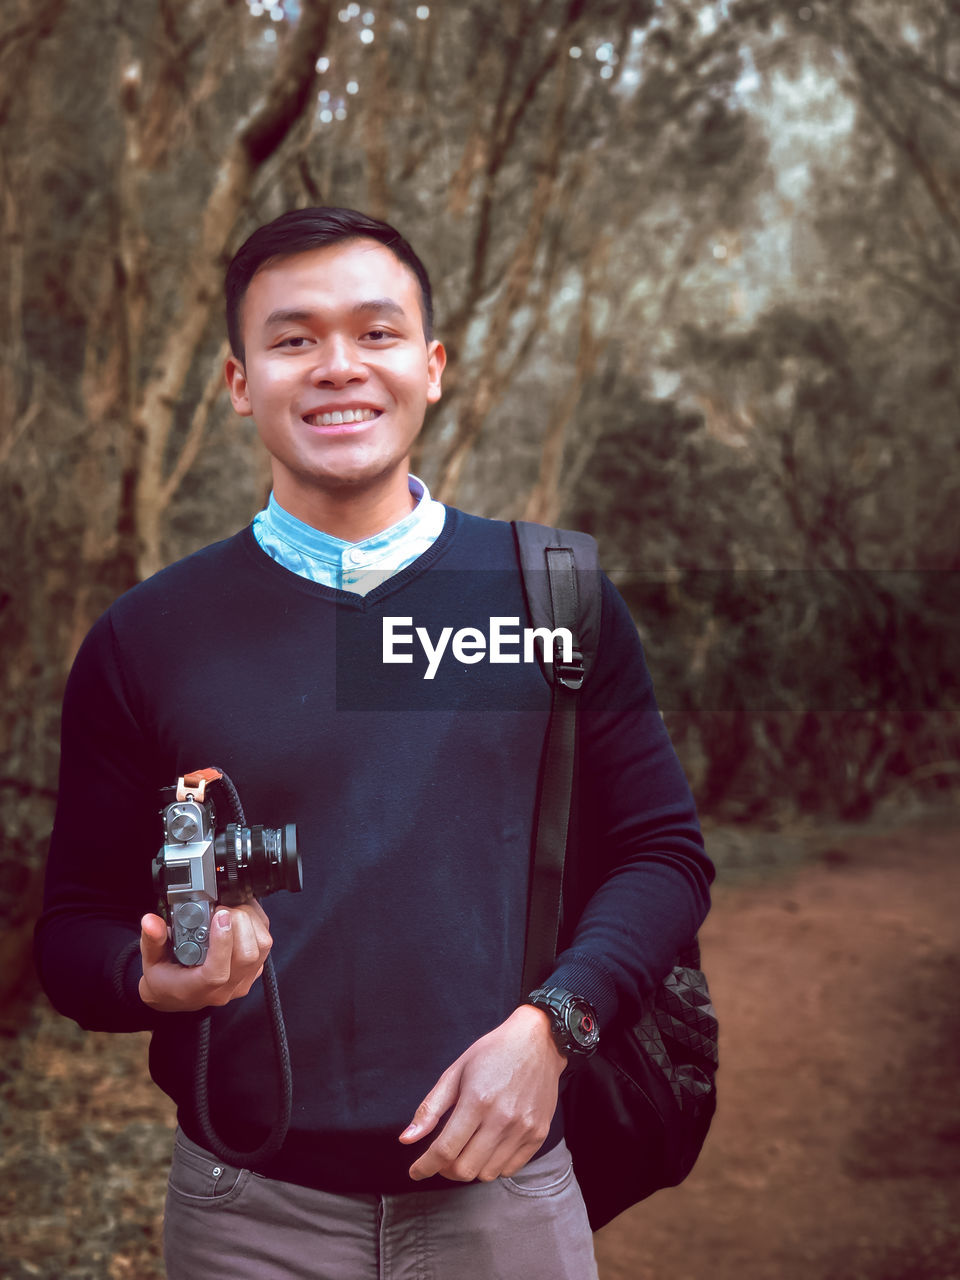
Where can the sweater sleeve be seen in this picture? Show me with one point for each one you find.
(637, 819)
(105, 833)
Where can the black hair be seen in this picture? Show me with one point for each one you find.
(299, 231)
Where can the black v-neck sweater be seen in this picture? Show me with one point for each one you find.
(413, 800)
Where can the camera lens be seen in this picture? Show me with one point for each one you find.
(274, 858)
(257, 861)
(291, 868)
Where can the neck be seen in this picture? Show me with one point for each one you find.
(349, 515)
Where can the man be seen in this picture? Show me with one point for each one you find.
(306, 656)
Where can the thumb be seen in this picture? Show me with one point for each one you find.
(438, 1101)
(153, 939)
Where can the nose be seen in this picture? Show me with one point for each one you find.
(337, 363)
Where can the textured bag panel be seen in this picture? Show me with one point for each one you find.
(636, 1114)
(680, 1035)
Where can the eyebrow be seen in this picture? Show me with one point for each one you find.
(299, 315)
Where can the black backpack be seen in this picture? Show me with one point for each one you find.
(637, 1112)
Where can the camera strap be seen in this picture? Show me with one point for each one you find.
(193, 786)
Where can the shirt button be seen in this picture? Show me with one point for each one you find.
(354, 556)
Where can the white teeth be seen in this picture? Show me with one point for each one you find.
(338, 418)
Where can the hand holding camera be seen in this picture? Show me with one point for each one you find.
(209, 943)
(234, 960)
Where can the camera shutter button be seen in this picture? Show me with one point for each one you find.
(190, 915)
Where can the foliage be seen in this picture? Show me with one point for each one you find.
(811, 461)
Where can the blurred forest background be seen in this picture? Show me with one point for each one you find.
(698, 271)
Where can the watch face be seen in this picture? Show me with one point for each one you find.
(582, 1024)
(573, 1020)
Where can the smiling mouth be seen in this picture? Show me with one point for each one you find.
(340, 417)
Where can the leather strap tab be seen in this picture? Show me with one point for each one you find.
(193, 786)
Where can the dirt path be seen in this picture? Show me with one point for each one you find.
(835, 1154)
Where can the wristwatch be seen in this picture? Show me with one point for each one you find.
(573, 1020)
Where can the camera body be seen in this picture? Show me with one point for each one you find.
(200, 867)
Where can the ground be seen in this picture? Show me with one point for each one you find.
(835, 1153)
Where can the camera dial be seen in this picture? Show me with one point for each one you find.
(183, 826)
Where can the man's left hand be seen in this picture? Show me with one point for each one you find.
(503, 1091)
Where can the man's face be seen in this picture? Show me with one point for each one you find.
(337, 371)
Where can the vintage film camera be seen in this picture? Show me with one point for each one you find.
(201, 866)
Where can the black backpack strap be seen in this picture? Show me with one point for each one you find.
(535, 546)
(562, 588)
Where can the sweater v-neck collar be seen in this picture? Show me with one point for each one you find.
(350, 599)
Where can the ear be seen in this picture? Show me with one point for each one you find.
(436, 363)
(236, 377)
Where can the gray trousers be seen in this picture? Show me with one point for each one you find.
(223, 1223)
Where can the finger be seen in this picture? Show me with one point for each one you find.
(475, 1154)
(440, 1099)
(251, 908)
(153, 939)
(258, 912)
(219, 958)
(246, 942)
(508, 1157)
(261, 929)
(444, 1153)
(250, 948)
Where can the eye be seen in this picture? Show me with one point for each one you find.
(378, 335)
(295, 343)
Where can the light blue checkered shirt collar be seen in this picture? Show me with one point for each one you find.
(350, 566)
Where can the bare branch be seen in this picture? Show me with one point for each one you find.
(907, 143)
(19, 429)
(215, 387)
(255, 140)
(513, 295)
(374, 132)
(22, 41)
(949, 306)
(902, 62)
(502, 132)
(290, 90)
